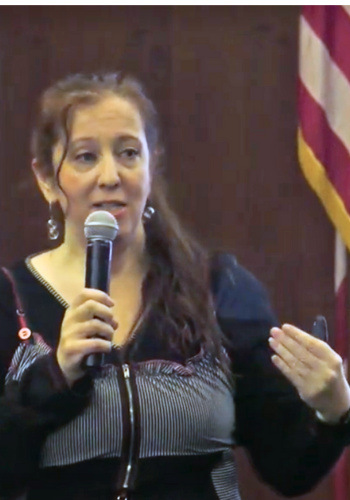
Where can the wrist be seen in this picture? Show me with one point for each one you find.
(335, 411)
(70, 376)
(343, 418)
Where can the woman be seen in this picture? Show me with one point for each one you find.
(194, 361)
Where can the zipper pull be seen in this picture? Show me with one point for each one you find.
(126, 371)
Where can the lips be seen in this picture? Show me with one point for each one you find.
(109, 205)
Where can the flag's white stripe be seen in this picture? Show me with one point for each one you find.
(325, 82)
(340, 261)
(346, 8)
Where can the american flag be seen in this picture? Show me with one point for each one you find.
(324, 151)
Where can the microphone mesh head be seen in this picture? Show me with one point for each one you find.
(101, 225)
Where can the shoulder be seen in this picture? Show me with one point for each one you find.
(241, 300)
(15, 281)
(8, 318)
(7, 301)
(11, 278)
(237, 292)
(43, 311)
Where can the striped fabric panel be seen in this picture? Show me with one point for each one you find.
(95, 433)
(225, 478)
(178, 416)
(178, 412)
(24, 356)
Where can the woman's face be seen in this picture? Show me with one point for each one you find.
(106, 166)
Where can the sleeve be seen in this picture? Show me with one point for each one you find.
(290, 449)
(32, 407)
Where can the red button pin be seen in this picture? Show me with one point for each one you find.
(24, 333)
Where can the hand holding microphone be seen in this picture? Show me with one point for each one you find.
(88, 326)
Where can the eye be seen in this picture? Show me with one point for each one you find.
(129, 153)
(86, 157)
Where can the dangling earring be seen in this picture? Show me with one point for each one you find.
(148, 214)
(52, 226)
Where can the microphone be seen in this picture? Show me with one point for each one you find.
(100, 230)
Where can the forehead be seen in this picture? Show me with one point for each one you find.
(109, 116)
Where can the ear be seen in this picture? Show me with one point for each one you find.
(46, 184)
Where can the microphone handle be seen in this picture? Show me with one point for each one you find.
(97, 275)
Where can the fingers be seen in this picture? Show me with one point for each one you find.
(297, 370)
(92, 294)
(293, 352)
(90, 304)
(94, 328)
(87, 338)
(315, 346)
(302, 345)
(296, 359)
(85, 347)
(287, 370)
(87, 331)
(92, 309)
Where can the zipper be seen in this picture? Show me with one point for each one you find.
(123, 495)
(126, 373)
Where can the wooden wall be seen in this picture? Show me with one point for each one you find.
(224, 80)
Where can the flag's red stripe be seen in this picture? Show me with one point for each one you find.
(332, 25)
(341, 320)
(326, 145)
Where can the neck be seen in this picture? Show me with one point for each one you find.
(128, 256)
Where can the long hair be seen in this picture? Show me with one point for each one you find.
(177, 284)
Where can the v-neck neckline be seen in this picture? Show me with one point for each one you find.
(44, 282)
(134, 328)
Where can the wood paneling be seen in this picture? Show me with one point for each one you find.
(225, 81)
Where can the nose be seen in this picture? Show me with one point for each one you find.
(108, 172)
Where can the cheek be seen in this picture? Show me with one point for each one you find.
(72, 189)
(140, 185)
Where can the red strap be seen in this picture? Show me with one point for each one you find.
(19, 306)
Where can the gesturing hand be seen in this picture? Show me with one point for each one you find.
(314, 369)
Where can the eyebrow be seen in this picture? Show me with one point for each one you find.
(124, 137)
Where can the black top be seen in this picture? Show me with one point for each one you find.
(290, 449)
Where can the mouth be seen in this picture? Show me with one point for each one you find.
(109, 205)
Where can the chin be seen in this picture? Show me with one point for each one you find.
(131, 235)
